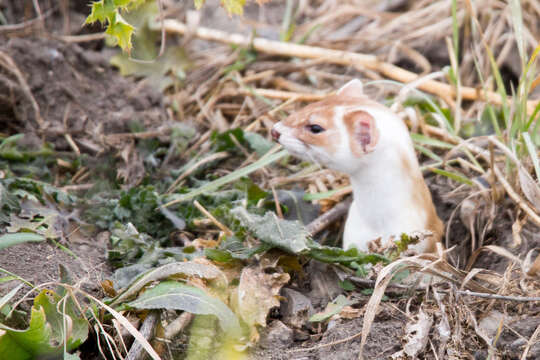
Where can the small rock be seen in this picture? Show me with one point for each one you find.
(300, 335)
(324, 282)
(297, 308)
(277, 335)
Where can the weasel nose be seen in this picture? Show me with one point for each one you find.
(275, 134)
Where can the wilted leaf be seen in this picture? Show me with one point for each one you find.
(257, 293)
(46, 221)
(332, 308)
(44, 337)
(417, 334)
(530, 188)
(178, 296)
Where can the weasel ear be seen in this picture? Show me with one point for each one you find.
(363, 132)
(353, 88)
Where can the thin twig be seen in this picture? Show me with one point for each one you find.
(7, 62)
(177, 325)
(137, 352)
(329, 217)
(498, 297)
(21, 26)
(211, 217)
(362, 61)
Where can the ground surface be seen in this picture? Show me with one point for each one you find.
(84, 105)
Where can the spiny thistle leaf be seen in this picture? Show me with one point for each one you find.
(234, 6)
(121, 31)
(108, 12)
(198, 4)
(101, 12)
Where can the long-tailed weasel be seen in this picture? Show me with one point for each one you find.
(366, 140)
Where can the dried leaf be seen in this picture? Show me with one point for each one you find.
(257, 293)
(530, 188)
(416, 334)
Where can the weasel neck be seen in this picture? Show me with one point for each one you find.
(383, 189)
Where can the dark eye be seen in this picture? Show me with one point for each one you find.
(315, 129)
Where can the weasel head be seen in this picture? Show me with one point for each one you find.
(336, 132)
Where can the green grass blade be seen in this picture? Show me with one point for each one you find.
(216, 184)
(5, 299)
(452, 175)
(533, 153)
(321, 195)
(428, 152)
(425, 140)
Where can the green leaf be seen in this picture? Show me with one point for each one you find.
(189, 268)
(234, 6)
(233, 248)
(7, 240)
(223, 141)
(218, 255)
(290, 236)
(45, 335)
(346, 285)
(258, 143)
(198, 4)
(101, 12)
(9, 204)
(121, 31)
(173, 295)
(331, 254)
(121, 3)
(331, 309)
(253, 192)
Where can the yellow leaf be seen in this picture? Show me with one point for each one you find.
(122, 32)
(234, 6)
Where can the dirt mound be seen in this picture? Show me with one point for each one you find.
(54, 88)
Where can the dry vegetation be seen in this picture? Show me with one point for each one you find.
(461, 74)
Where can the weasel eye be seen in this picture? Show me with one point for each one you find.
(315, 129)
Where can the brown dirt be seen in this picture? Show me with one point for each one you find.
(78, 85)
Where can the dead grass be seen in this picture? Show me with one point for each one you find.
(491, 176)
(420, 39)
